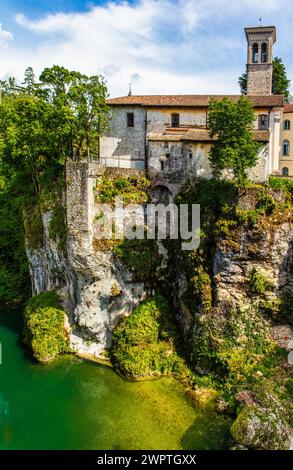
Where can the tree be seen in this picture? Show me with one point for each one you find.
(280, 82)
(80, 103)
(43, 123)
(234, 148)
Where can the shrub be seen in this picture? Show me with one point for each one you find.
(132, 189)
(266, 202)
(44, 327)
(34, 230)
(259, 284)
(141, 257)
(58, 228)
(143, 343)
(285, 184)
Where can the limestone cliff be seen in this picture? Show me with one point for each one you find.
(235, 305)
(96, 288)
(232, 298)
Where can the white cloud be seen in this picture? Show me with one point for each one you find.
(161, 46)
(5, 36)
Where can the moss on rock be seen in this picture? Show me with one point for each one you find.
(44, 331)
(261, 428)
(144, 343)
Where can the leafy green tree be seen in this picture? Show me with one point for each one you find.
(43, 123)
(234, 148)
(80, 103)
(242, 82)
(280, 82)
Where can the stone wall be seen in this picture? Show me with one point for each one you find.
(105, 290)
(180, 159)
(259, 79)
(123, 146)
(159, 119)
(185, 160)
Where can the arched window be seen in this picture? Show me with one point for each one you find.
(286, 148)
(287, 125)
(255, 53)
(263, 122)
(285, 171)
(264, 53)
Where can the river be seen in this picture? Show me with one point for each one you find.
(75, 404)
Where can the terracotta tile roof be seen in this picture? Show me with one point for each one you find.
(261, 136)
(164, 137)
(198, 135)
(288, 108)
(191, 100)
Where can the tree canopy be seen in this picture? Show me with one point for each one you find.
(234, 148)
(280, 82)
(43, 123)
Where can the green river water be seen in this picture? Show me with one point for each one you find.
(74, 404)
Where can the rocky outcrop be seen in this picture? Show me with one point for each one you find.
(96, 289)
(261, 428)
(266, 246)
(49, 268)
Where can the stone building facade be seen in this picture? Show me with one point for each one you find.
(168, 134)
(286, 142)
(260, 59)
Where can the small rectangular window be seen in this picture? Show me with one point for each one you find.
(175, 120)
(263, 122)
(130, 120)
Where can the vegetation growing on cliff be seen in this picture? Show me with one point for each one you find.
(142, 258)
(229, 342)
(144, 343)
(132, 189)
(43, 123)
(14, 275)
(45, 331)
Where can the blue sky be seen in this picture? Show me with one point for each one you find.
(161, 46)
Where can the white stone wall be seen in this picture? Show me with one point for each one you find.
(159, 119)
(186, 158)
(191, 159)
(122, 146)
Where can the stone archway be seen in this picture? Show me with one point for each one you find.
(161, 194)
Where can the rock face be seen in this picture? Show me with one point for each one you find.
(266, 247)
(49, 267)
(97, 290)
(261, 428)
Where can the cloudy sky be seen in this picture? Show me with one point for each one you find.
(161, 46)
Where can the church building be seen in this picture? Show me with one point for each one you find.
(168, 134)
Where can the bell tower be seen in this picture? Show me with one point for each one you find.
(260, 41)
